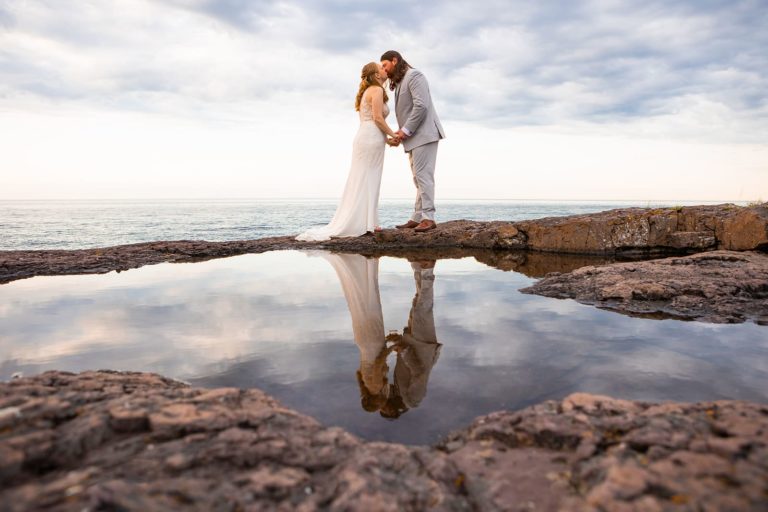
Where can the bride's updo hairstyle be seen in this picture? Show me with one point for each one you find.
(368, 79)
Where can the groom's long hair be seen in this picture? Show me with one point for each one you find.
(400, 68)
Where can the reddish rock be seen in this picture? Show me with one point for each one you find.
(621, 231)
(652, 230)
(743, 230)
(130, 441)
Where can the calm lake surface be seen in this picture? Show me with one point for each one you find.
(386, 348)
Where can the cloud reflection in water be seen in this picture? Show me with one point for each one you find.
(282, 322)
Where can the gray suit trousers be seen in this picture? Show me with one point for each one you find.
(423, 159)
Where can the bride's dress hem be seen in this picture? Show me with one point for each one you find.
(357, 212)
(307, 236)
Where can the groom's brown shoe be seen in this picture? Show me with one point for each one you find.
(425, 225)
(408, 225)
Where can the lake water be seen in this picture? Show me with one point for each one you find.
(387, 348)
(88, 224)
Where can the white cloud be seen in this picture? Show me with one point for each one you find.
(199, 97)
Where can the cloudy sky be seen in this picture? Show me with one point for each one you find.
(609, 99)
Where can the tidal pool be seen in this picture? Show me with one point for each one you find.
(386, 348)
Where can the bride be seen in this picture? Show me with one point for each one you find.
(357, 212)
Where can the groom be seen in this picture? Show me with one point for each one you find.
(420, 130)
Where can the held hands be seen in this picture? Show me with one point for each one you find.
(399, 137)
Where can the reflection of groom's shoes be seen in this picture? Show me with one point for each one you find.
(425, 225)
(408, 225)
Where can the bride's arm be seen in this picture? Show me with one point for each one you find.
(377, 104)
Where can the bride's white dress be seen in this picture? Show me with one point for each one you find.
(358, 210)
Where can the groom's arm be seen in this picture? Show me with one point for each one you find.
(419, 89)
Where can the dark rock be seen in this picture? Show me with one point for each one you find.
(718, 286)
(130, 441)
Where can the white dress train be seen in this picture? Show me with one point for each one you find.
(358, 210)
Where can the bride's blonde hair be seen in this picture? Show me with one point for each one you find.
(368, 79)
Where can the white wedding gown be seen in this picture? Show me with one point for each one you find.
(358, 210)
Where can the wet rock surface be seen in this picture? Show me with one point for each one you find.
(623, 232)
(132, 441)
(717, 286)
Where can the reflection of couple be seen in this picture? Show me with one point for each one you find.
(417, 347)
(419, 133)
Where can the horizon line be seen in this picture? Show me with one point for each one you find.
(288, 198)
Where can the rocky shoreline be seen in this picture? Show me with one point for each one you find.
(578, 256)
(623, 233)
(135, 441)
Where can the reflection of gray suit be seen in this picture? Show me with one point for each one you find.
(416, 114)
(415, 361)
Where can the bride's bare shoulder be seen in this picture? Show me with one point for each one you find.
(374, 93)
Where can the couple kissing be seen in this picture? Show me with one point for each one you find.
(419, 133)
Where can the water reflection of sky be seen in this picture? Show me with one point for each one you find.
(280, 321)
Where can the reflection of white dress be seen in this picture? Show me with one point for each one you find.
(359, 277)
(358, 210)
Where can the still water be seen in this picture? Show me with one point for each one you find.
(387, 348)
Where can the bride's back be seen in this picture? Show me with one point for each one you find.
(366, 108)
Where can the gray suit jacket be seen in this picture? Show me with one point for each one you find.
(415, 111)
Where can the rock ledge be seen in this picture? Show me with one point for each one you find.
(717, 286)
(132, 441)
(622, 232)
